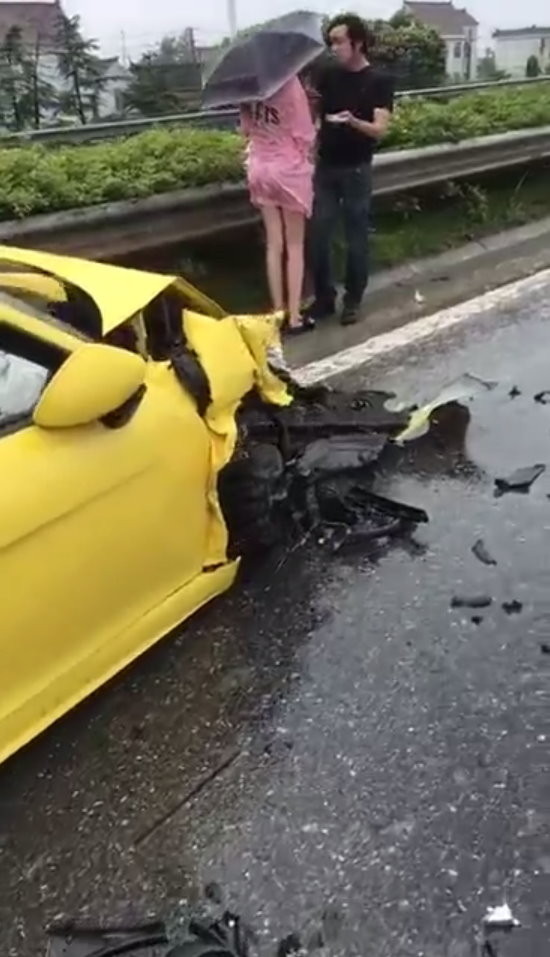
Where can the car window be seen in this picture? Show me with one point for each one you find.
(74, 307)
(31, 306)
(21, 385)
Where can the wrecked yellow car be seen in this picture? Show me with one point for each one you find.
(146, 443)
(118, 392)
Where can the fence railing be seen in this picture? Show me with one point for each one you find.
(214, 119)
(118, 230)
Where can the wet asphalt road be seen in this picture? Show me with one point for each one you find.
(332, 730)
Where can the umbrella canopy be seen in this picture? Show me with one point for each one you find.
(256, 66)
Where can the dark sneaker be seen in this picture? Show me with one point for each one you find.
(350, 315)
(319, 310)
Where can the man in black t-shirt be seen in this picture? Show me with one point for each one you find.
(355, 102)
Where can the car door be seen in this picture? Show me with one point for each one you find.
(99, 527)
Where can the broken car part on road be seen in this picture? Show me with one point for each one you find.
(519, 481)
(226, 937)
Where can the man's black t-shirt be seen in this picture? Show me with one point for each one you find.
(361, 92)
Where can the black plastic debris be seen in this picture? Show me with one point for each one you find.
(512, 607)
(70, 940)
(514, 392)
(471, 601)
(213, 893)
(309, 469)
(482, 553)
(291, 946)
(477, 619)
(543, 398)
(545, 647)
(521, 480)
(227, 937)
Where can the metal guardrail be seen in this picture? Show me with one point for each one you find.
(214, 119)
(115, 231)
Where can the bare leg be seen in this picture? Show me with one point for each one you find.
(273, 223)
(294, 224)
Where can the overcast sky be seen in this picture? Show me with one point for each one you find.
(145, 21)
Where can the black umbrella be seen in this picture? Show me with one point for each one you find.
(256, 66)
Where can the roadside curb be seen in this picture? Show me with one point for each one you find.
(420, 288)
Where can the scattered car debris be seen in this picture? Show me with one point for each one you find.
(521, 480)
(228, 936)
(291, 946)
(310, 468)
(463, 389)
(70, 940)
(214, 893)
(498, 921)
(482, 553)
(543, 398)
(514, 392)
(512, 607)
(224, 935)
(500, 918)
(471, 601)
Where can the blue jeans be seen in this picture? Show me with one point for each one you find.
(340, 191)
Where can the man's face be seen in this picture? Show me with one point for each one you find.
(341, 45)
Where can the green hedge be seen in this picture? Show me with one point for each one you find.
(36, 179)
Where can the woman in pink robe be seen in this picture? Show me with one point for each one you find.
(279, 164)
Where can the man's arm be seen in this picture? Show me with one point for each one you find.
(376, 129)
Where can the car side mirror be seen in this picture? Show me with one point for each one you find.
(93, 381)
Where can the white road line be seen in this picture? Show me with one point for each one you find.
(419, 330)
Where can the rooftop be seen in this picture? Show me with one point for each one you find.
(443, 17)
(523, 32)
(36, 20)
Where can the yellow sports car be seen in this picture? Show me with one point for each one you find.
(118, 393)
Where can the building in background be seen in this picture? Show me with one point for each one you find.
(514, 48)
(459, 31)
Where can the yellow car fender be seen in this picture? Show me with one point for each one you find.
(261, 334)
(233, 354)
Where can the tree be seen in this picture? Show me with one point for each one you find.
(532, 67)
(165, 80)
(12, 83)
(80, 67)
(487, 68)
(414, 53)
(24, 94)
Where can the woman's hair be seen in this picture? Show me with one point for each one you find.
(357, 30)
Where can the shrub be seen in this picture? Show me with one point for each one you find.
(37, 179)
